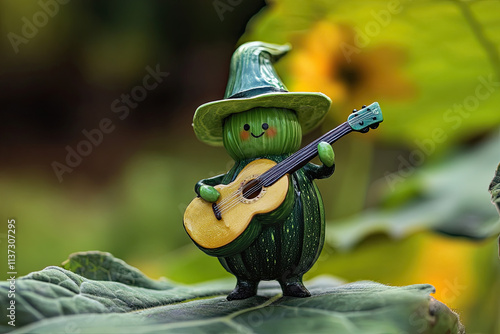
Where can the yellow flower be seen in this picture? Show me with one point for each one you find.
(327, 59)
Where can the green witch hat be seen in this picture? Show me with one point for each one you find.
(253, 83)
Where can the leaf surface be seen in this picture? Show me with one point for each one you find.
(57, 300)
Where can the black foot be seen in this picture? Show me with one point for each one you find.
(243, 290)
(295, 289)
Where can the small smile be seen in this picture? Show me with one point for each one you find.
(258, 135)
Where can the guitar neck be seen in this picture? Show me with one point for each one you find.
(302, 156)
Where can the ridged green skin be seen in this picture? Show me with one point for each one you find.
(292, 236)
(288, 248)
(283, 135)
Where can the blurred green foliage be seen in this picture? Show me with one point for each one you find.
(433, 66)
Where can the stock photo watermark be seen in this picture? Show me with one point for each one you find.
(31, 26)
(120, 106)
(454, 116)
(11, 271)
(223, 6)
(371, 29)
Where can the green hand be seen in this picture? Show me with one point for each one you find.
(209, 193)
(326, 154)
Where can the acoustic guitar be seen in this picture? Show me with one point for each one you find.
(224, 228)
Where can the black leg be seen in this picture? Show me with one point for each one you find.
(244, 289)
(293, 286)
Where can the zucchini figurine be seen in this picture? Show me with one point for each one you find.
(264, 219)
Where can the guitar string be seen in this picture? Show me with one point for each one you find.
(277, 172)
(234, 198)
(293, 158)
(305, 153)
(311, 150)
(301, 154)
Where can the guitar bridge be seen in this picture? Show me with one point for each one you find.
(216, 211)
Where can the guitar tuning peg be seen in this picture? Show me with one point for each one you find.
(374, 126)
(364, 106)
(354, 110)
(365, 130)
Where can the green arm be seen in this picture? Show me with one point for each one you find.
(314, 171)
(208, 192)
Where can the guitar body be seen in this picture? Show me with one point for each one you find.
(236, 229)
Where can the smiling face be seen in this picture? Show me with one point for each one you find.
(261, 131)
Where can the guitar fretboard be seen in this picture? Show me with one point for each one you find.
(302, 156)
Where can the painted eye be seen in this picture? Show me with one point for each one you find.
(246, 127)
(265, 126)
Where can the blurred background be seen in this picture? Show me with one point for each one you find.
(98, 153)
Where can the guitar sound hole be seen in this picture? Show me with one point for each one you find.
(252, 189)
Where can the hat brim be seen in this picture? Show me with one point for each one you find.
(311, 108)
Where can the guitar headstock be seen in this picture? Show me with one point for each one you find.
(365, 118)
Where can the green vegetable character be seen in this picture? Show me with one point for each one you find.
(260, 121)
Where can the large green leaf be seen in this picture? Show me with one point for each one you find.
(111, 297)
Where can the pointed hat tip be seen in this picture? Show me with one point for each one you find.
(275, 50)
